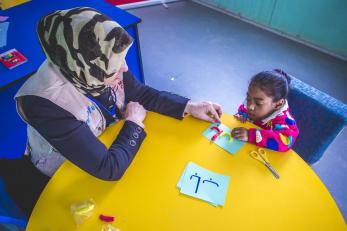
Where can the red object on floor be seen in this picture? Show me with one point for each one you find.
(122, 2)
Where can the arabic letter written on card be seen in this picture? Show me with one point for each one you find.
(204, 184)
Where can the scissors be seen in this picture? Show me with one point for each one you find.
(261, 156)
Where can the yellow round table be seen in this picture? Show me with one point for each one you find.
(146, 198)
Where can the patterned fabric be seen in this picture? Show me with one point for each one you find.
(48, 83)
(86, 45)
(278, 131)
(319, 116)
(113, 98)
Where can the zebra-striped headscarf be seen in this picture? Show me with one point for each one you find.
(86, 45)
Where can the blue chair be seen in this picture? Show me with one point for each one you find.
(11, 217)
(319, 116)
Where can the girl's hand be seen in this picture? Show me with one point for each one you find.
(240, 134)
(240, 118)
(204, 110)
(135, 113)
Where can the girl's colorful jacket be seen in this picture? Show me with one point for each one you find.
(278, 131)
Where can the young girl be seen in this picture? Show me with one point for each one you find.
(266, 106)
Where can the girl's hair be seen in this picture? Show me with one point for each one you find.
(274, 83)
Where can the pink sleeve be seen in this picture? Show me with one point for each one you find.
(242, 111)
(280, 139)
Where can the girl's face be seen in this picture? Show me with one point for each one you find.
(118, 75)
(260, 105)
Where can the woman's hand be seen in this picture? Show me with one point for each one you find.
(240, 134)
(204, 110)
(135, 113)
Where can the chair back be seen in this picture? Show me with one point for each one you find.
(319, 116)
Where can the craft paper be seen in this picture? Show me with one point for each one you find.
(3, 33)
(5, 4)
(204, 184)
(229, 144)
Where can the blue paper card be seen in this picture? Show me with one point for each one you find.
(3, 33)
(226, 142)
(201, 183)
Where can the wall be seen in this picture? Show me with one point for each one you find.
(322, 23)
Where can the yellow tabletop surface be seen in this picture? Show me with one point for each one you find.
(146, 197)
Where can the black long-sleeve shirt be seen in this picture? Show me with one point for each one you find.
(76, 142)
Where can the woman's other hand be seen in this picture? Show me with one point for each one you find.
(136, 113)
(204, 110)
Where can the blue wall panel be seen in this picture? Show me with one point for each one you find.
(322, 23)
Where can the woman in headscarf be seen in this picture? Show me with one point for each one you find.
(85, 85)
